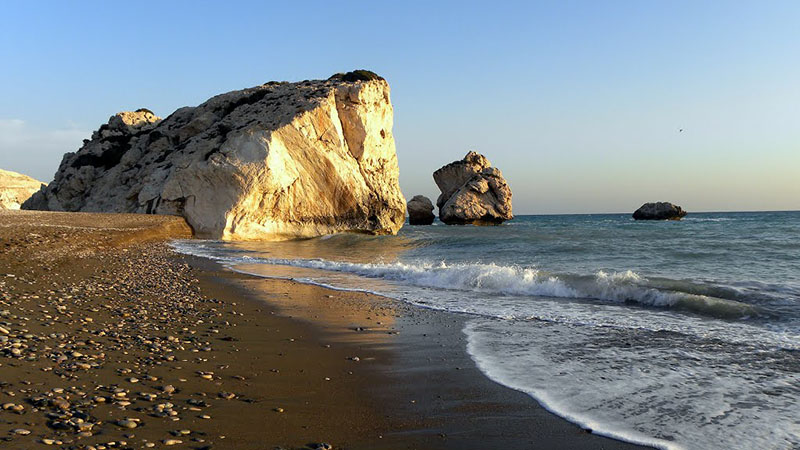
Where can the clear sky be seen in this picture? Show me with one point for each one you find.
(579, 103)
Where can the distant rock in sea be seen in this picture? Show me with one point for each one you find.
(659, 211)
(420, 210)
(276, 161)
(15, 188)
(473, 192)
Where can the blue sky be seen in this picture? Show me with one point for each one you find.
(579, 103)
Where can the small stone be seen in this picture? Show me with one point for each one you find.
(60, 403)
(172, 441)
(278, 410)
(21, 431)
(128, 423)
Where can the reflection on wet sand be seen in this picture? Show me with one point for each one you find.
(354, 317)
(341, 247)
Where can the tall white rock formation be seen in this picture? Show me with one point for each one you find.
(276, 161)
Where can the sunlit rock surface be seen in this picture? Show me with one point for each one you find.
(276, 161)
(15, 188)
(473, 192)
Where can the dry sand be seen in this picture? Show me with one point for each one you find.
(110, 340)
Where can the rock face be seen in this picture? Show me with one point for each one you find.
(473, 192)
(420, 211)
(659, 211)
(276, 161)
(15, 188)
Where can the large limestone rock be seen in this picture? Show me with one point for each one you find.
(659, 211)
(15, 188)
(420, 211)
(276, 161)
(473, 192)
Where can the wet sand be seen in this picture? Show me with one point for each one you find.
(110, 340)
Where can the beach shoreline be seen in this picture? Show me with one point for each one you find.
(273, 363)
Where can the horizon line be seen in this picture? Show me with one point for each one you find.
(693, 212)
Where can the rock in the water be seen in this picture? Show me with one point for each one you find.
(659, 211)
(473, 192)
(451, 177)
(15, 188)
(420, 210)
(280, 160)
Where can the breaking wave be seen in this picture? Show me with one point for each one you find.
(626, 287)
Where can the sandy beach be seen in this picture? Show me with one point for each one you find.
(109, 339)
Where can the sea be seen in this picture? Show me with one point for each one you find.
(675, 334)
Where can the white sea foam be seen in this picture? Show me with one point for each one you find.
(517, 292)
(695, 347)
(535, 331)
(626, 286)
(663, 393)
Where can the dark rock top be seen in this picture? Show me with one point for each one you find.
(659, 211)
(420, 211)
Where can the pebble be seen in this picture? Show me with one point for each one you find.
(19, 409)
(128, 423)
(60, 403)
(140, 322)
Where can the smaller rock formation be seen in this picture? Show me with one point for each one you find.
(15, 188)
(659, 211)
(420, 211)
(473, 192)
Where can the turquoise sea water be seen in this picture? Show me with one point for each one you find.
(678, 334)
